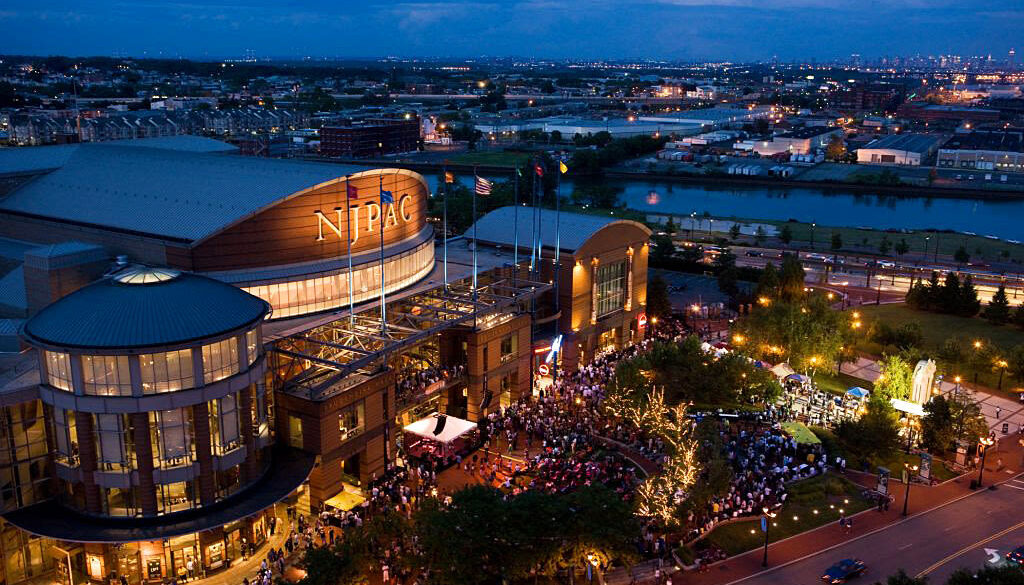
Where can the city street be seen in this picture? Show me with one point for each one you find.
(935, 543)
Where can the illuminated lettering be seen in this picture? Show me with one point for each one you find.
(354, 211)
(401, 208)
(372, 215)
(322, 219)
(390, 219)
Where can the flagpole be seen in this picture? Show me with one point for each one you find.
(533, 220)
(515, 225)
(348, 236)
(444, 234)
(476, 180)
(558, 233)
(383, 298)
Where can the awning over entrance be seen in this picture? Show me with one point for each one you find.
(288, 471)
(451, 428)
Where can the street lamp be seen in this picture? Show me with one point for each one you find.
(1002, 368)
(813, 225)
(907, 469)
(983, 445)
(977, 347)
(767, 519)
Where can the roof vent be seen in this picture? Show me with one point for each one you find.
(138, 274)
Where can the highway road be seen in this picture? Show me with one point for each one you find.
(934, 543)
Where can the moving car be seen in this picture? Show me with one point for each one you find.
(844, 570)
(1016, 556)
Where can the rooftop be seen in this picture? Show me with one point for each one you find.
(146, 308)
(997, 140)
(920, 143)
(808, 132)
(500, 226)
(184, 194)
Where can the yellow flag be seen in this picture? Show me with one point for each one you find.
(562, 167)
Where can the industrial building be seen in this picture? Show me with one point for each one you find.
(371, 137)
(984, 150)
(900, 149)
(207, 345)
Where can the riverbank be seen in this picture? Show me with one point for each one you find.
(901, 190)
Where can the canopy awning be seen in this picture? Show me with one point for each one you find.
(858, 392)
(782, 370)
(798, 378)
(907, 407)
(440, 428)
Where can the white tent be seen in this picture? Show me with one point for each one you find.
(783, 370)
(907, 407)
(453, 428)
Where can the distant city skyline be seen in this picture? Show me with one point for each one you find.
(741, 30)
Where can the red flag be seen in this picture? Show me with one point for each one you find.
(538, 169)
(353, 192)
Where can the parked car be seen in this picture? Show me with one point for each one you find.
(1016, 556)
(844, 570)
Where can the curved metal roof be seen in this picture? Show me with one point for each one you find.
(110, 315)
(499, 227)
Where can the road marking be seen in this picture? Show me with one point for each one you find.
(1016, 487)
(906, 546)
(968, 548)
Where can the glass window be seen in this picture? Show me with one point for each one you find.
(167, 371)
(295, 432)
(176, 496)
(229, 481)
(509, 348)
(171, 434)
(220, 360)
(611, 287)
(224, 432)
(252, 346)
(106, 375)
(119, 502)
(66, 433)
(114, 445)
(352, 421)
(58, 370)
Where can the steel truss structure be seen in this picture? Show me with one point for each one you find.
(330, 358)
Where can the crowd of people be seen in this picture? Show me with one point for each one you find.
(416, 382)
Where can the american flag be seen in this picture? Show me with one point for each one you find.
(483, 186)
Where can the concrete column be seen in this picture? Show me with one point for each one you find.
(204, 453)
(144, 462)
(87, 458)
(250, 469)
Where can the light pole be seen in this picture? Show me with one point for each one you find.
(983, 445)
(1002, 368)
(977, 348)
(907, 469)
(767, 519)
(813, 225)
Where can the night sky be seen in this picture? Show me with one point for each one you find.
(610, 29)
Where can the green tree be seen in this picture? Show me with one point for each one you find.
(759, 235)
(791, 278)
(1018, 316)
(902, 578)
(1016, 361)
(734, 231)
(987, 575)
(938, 425)
(902, 247)
(837, 242)
(728, 276)
(897, 379)
(998, 310)
(873, 437)
(884, 246)
(658, 303)
(961, 256)
(341, 565)
(970, 423)
(969, 304)
(836, 149)
(807, 333)
(786, 235)
(768, 284)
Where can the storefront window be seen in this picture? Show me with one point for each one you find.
(58, 370)
(224, 432)
(106, 375)
(66, 434)
(171, 435)
(252, 346)
(114, 445)
(351, 421)
(229, 481)
(611, 287)
(220, 360)
(167, 371)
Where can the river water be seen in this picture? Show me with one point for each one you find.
(828, 207)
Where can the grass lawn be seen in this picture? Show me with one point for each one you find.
(800, 432)
(826, 495)
(493, 158)
(839, 384)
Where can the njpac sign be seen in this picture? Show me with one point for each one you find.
(358, 220)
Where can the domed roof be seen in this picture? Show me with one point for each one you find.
(142, 307)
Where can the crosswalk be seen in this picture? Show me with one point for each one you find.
(1015, 483)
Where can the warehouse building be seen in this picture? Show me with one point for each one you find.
(899, 149)
(984, 150)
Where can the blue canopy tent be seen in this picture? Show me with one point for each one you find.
(858, 392)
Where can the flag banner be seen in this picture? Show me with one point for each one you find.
(352, 191)
(562, 167)
(539, 169)
(449, 177)
(386, 197)
(483, 186)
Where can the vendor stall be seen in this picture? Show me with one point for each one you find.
(439, 436)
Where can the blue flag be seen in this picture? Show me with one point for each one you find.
(386, 197)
